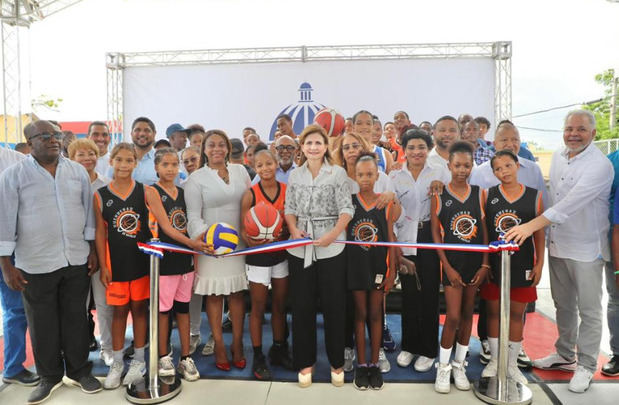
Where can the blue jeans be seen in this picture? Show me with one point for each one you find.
(14, 325)
(612, 312)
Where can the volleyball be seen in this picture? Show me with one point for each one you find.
(223, 237)
(332, 121)
(263, 221)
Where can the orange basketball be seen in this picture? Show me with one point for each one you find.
(332, 121)
(263, 221)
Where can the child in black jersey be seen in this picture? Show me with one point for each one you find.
(458, 215)
(122, 219)
(371, 269)
(267, 268)
(507, 205)
(176, 269)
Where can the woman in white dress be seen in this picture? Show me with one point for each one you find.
(213, 194)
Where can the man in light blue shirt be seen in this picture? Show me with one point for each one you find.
(286, 148)
(52, 198)
(529, 174)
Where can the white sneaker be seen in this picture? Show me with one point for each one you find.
(107, 357)
(491, 369)
(383, 364)
(423, 364)
(443, 375)
(112, 380)
(194, 341)
(137, 369)
(581, 380)
(484, 354)
(515, 374)
(349, 357)
(187, 369)
(209, 347)
(555, 361)
(166, 366)
(459, 373)
(404, 359)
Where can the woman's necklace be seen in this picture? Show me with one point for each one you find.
(224, 175)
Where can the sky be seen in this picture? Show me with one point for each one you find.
(558, 45)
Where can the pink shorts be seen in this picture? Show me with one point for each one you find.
(174, 288)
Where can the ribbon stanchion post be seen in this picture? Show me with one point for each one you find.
(153, 389)
(500, 389)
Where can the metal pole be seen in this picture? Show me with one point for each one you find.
(152, 389)
(501, 389)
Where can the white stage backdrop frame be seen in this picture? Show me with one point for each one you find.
(231, 89)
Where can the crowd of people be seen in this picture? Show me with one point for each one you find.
(74, 210)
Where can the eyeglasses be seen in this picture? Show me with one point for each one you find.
(353, 146)
(190, 160)
(289, 148)
(46, 136)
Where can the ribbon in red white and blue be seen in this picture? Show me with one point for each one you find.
(157, 248)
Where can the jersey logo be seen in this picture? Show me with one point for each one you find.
(178, 219)
(448, 203)
(109, 203)
(164, 198)
(127, 222)
(494, 201)
(464, 227)
(505, 221)
(365, 231)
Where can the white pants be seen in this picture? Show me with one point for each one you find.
(104, 312)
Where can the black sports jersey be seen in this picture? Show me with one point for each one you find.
(174, 263)
(126, 219)
(503, 214)
(461, 219)
(365, 263)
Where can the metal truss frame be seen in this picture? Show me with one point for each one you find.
(500, 52)
(16, 16)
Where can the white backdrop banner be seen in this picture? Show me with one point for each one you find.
(231, 97)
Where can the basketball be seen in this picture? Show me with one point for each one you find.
(223, 237)
(331, 121)
(263, 221)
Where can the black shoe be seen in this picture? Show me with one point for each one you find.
(43, 391)
(129, 352)
(260, 369)
(280, 356)
(93, 346)
(361, 380)
(226, 325)
(375, 377)
(611, 368)
(24, 377)
(88, 383)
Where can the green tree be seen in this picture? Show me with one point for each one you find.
(601, 109)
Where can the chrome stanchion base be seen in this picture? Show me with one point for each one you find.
(487, 389)
(141, 393)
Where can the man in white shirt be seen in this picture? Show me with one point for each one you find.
(446, 131)
(99, 133)
(580, 181)
(14, 316)
(286, 148)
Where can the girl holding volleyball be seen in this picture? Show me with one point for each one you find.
(267, 268)
(122, 215)
(318, 206)
(176, 269)
(458, 217)
(507, 205)
(213, 194)
(370, 273)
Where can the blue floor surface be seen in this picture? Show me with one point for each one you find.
(206, 364)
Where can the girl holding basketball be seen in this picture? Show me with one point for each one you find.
(122, 219)
(266, 268)
(507, 205)
(176, 269)
(458, 217)
(370, 273)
